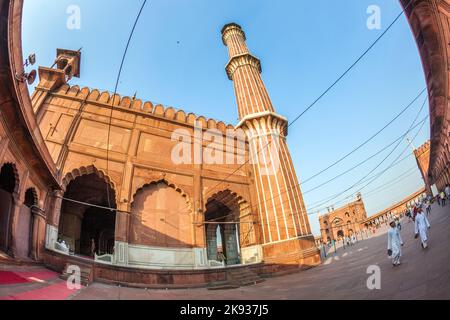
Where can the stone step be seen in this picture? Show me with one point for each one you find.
(243, 277)
(251, 282)
(252, 277)
(222, 285)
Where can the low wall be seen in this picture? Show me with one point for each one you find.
(133, 277)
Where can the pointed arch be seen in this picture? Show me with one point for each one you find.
(31, 197)
(88, 209)
(169, 184)
(161, 216)
(15, 173)
(234, 215)
(82, 171)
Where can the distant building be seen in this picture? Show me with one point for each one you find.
(352, 218)
(343, 222)
(396, 210)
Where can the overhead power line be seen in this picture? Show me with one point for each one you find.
(364, 161)
(372, 180)
(324, 93)
(115, 93)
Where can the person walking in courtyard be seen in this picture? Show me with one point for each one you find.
(394, 244)
(398, 224)
(443, 198)
(438, 199)
(421, 227)
(447, 192)
(428, 206)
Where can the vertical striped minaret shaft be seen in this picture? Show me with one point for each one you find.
(244, 69)
(280, 202)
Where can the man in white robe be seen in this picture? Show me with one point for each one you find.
(421, 227)
(394, 244)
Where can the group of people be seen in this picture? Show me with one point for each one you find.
(421, 226)
(351, 240)
(443, 196)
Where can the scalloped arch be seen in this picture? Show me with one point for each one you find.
(82, 171)
(34, 193)
(141, 187)
(241, 200)
(16, 175)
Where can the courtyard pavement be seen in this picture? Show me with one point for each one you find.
(424, 274)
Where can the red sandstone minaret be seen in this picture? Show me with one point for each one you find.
(285, 227)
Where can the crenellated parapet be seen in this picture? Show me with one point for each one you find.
(145, 108)
(423, 149)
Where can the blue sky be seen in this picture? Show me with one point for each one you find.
(177, 59)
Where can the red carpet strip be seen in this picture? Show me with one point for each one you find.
(39, 275)
(8, 277)
(57, 291)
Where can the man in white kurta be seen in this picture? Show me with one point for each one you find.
(394, 244)
(422, 225)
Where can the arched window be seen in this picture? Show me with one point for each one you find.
(30, 198)
(8, 178)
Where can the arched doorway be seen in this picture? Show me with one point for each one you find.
(160, 217)
(84, 219)
(7, 188)
(229, 227)
(340, 234)
(25, 224)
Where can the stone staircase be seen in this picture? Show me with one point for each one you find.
(86, 274)
(237, 277)
(243, 277)
(283, 271)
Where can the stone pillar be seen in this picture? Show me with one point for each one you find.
(286, 232)
(13, 225)
(55, 214)
(122, 234)
(122, 223)
(38, 221)
(198, 217)
(71, 229)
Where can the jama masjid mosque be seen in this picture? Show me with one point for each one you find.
(147, 213)
(94, 170)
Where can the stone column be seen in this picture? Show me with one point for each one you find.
(13, 225)
(198, 216)
(38, 220)
(122, 234)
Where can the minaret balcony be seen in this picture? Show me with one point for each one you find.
(266, 120)
(245, 59)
